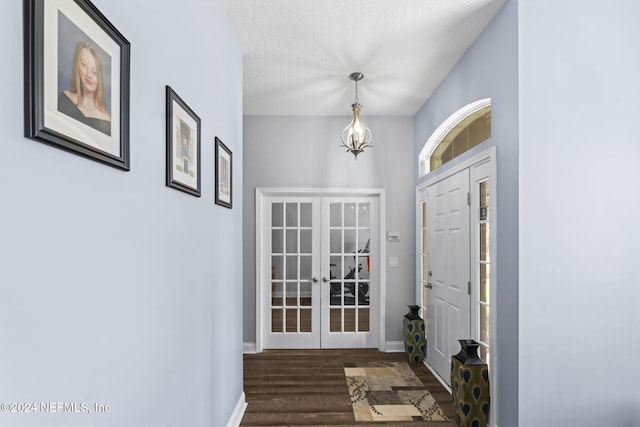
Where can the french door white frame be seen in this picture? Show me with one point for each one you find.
(263, 270)
(487, 156)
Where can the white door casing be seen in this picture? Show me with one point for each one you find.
(296, 308)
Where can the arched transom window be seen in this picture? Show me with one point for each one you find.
(463, 130)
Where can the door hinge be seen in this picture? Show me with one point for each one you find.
(469, 288)
(468, 199)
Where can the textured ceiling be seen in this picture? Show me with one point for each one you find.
(298, 54)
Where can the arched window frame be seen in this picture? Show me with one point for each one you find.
(424, 164)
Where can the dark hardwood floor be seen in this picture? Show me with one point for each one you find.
(308, 387)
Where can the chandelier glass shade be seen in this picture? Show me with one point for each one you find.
(356, 136)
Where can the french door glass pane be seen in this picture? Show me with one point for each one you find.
(305, 267)
(276, 214)
(292, 241)
(305, 320)
(349, 241)
(291, 299)
(277, 241)
(292, 214)
(335, 215)
(335, 241)
(277, 294)
(305, 241)
(335, 266)
(291, 267)
(277, 267)
(349, 214)
(305, 214)
(305, 294)
(363, 267)
(350, 236)
(364, 215)
(276, 320)
(363, 320)
(292, 320)
(349, 267)
(335, 320)
(349, 320)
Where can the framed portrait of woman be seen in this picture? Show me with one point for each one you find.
(76, 80)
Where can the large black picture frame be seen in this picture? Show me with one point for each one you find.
(77, 73)
(183, 145)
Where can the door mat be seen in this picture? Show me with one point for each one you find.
(389, 391)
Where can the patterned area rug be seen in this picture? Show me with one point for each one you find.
(389, 391)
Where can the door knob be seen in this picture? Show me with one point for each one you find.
(314, 280)
(325, 280)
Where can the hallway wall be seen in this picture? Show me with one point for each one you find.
(115, 289)
(579, 201)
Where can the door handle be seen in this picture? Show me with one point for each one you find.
(428, 286)
(325, 280)
(314, 280)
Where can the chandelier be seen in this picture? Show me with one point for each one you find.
(356, 137)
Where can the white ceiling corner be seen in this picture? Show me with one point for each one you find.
(298, 54)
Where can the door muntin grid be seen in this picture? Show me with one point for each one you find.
(291, 267)
(349, 266)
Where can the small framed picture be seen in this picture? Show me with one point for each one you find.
(183, 145)
(76, 80)
(224, 184)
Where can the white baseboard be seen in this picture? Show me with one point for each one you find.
(394, 346)
(248, 348)
(389, 347)
(238, 412)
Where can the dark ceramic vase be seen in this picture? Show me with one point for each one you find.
(415, 343)
(470, 386)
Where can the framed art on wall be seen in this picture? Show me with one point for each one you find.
(224, 175)
(76, 80)
(183, 145)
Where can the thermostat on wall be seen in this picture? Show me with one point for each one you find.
(393, 236)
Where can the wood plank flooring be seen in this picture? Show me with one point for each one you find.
(308, 387)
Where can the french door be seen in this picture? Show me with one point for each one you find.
(321, 287)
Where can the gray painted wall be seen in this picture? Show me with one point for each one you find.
(304, 152)
(579, 235)
(489, 70)
(115, 289)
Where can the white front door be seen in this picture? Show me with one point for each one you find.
(320, 289)
(448, 300)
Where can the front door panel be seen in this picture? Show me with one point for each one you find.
(448, 309)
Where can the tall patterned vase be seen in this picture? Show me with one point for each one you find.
(415, 343)
(470, 386)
